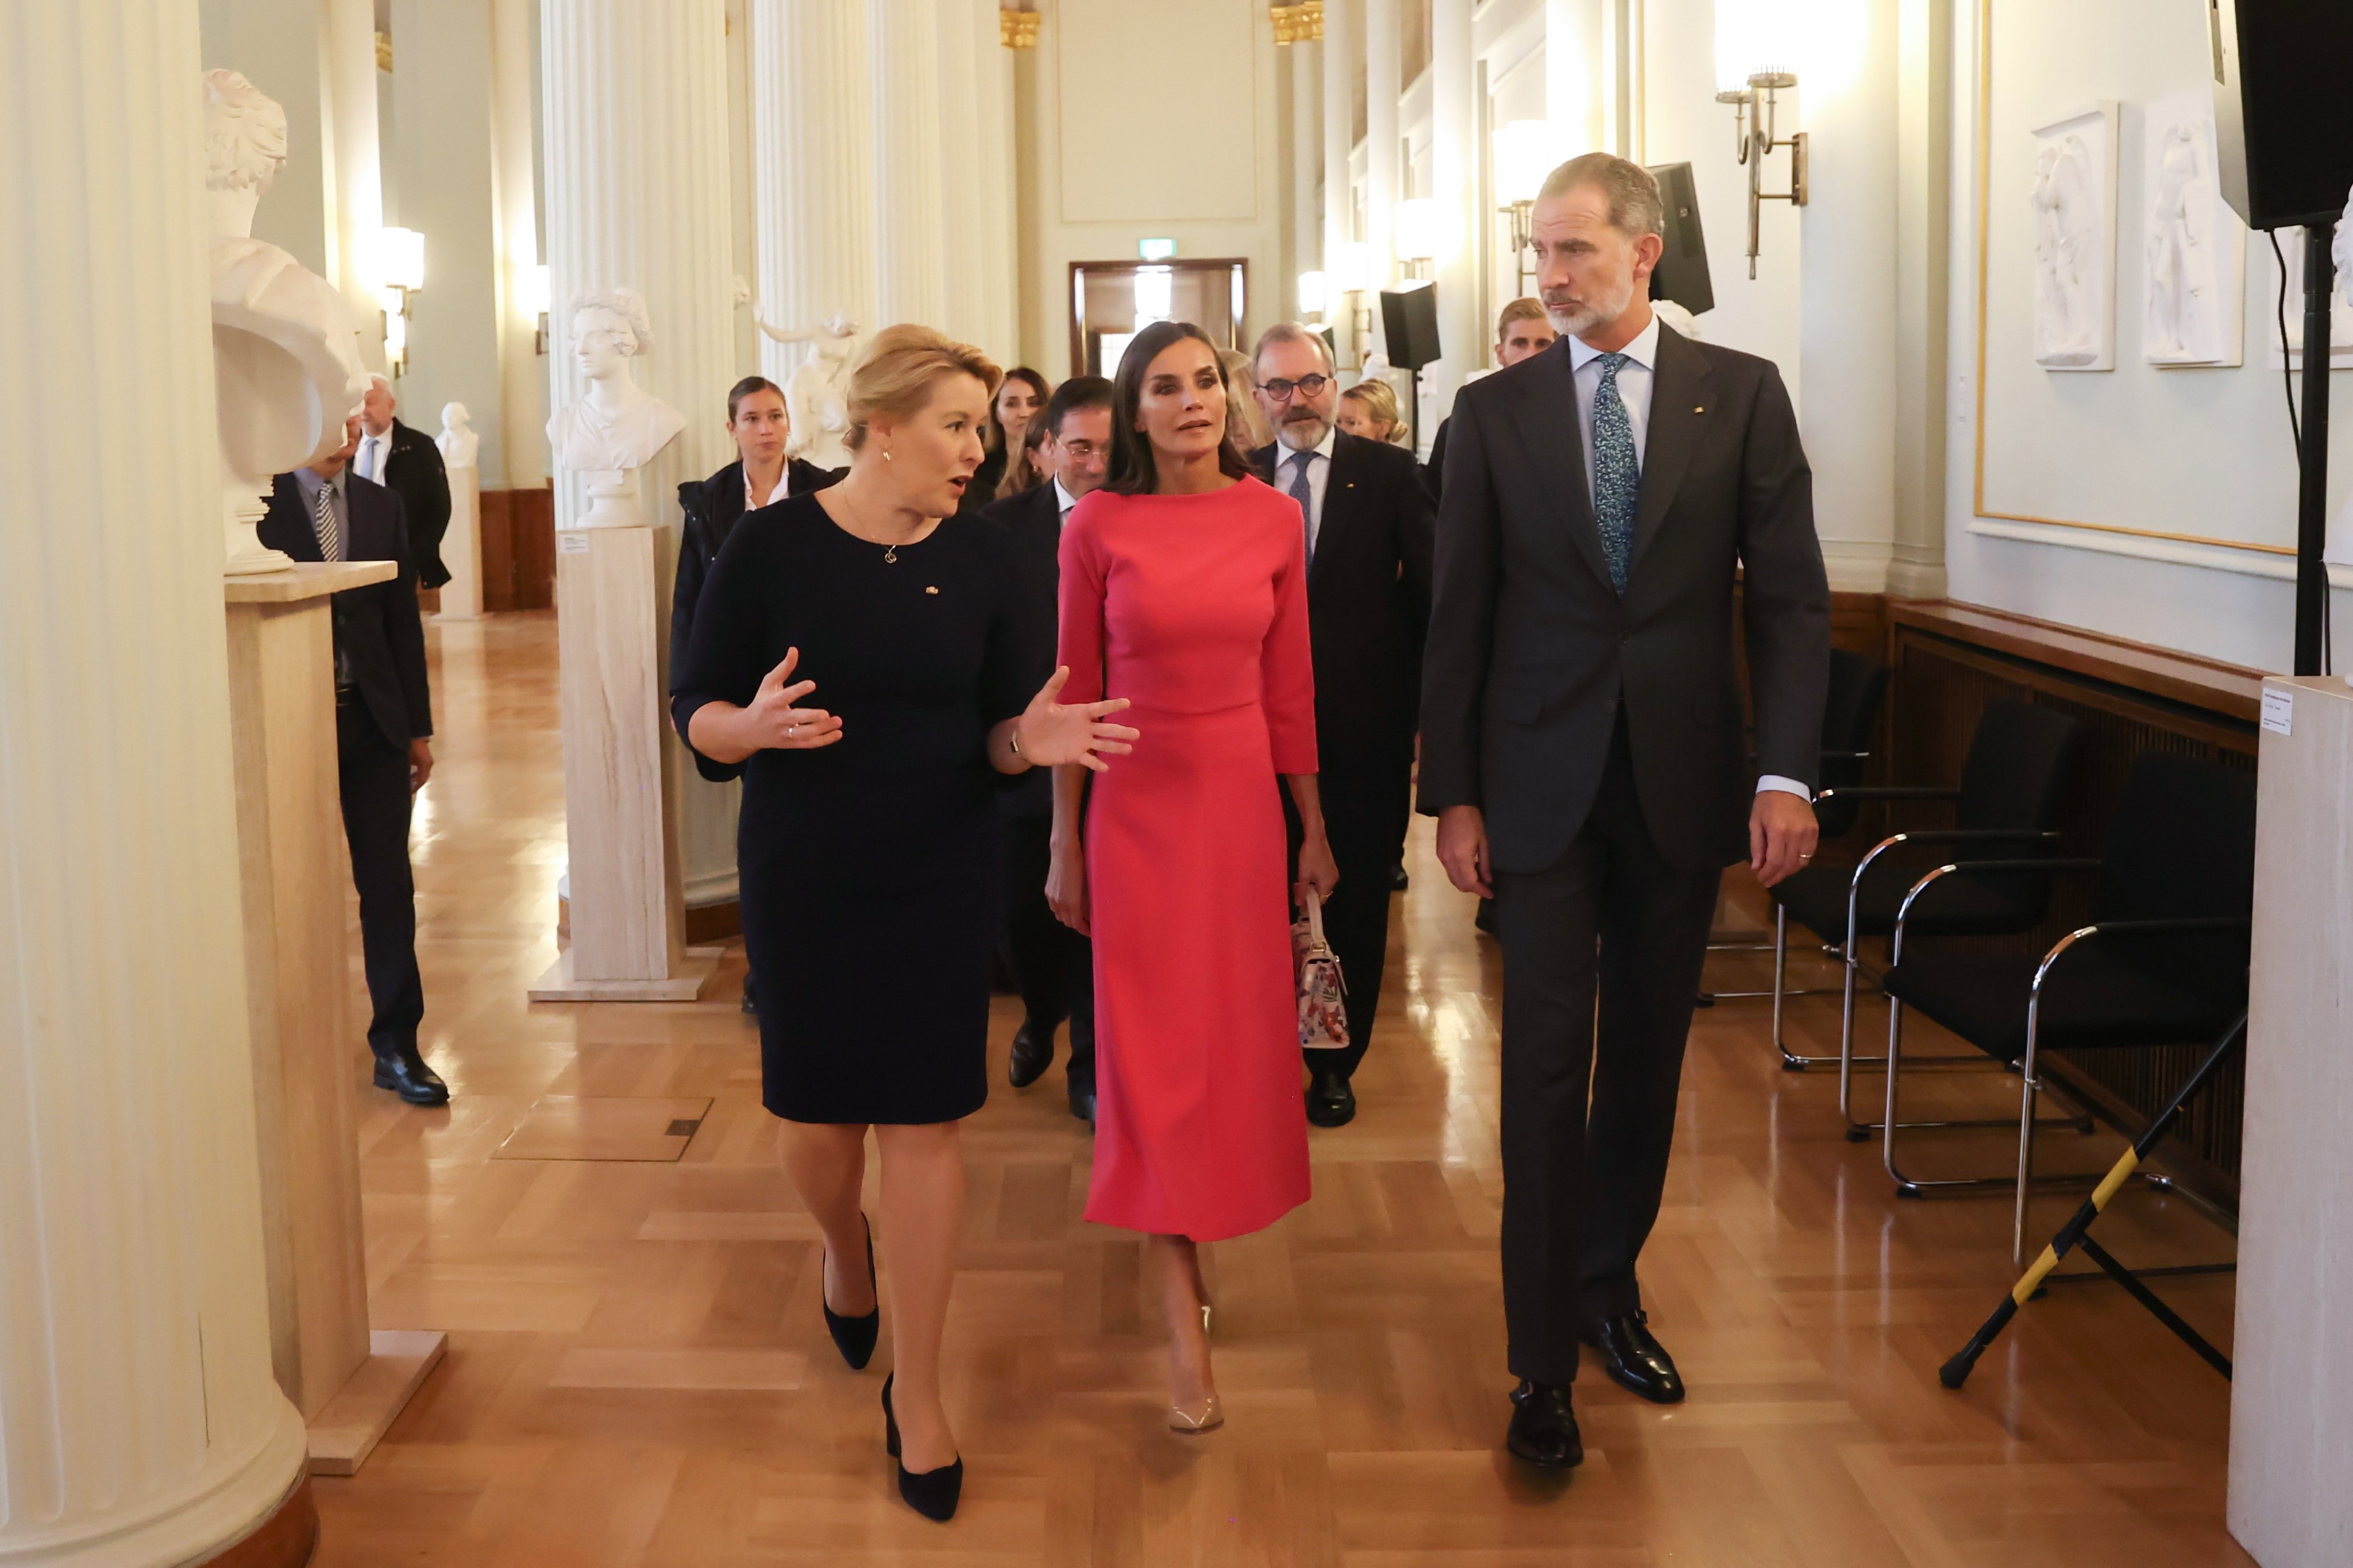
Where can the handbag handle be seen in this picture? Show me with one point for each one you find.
(1315, 917)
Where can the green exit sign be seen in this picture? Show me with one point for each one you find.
(1156, 249)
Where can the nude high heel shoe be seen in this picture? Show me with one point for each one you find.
(1195, 1419)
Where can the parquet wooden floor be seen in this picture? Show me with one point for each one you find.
(638, 1373)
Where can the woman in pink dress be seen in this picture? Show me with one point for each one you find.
(1184, 590)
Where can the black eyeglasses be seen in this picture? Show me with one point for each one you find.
(1281, 390)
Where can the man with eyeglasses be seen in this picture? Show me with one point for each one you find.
(1369, 526)
(1052, 965)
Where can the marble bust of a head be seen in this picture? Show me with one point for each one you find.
(245, 144)
(618, 425)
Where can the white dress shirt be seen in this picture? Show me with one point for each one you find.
(1634, 382)
(753, 501)
(1319, 476)
(1063, 499)
(374, 450)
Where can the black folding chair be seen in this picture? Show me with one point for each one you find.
(2163, 963)
(2007, 802)
(1858, 688)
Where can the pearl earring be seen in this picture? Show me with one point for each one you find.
(886, 454)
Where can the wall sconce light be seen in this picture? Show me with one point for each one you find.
(1313, 294)
(1523, 156)
(398, 262)
(1415, 232)
(1753, 63)
(538, 292)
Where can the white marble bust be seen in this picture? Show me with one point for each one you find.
(460, 443)
(615, 425)
(285, 343)
(817, 395)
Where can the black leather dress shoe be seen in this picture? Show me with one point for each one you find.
(1544, 1428)
(1398, 881)
(1083, 1106)
(751, 1003)
(1330, 1101)
(400, 1070)
(1033, 1053)
(1635, 1361)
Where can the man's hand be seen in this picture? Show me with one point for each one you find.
(1462, 849)
(420, 763)
(1782, 833)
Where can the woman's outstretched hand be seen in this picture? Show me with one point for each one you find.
(776, 720)
(1053, 734)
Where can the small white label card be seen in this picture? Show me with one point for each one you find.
(577, 544)
(2279, 709)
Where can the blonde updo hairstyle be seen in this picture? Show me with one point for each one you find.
(894, 372)
(1380, 400)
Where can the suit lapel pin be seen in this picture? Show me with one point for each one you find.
(1700, 408)
(931, 590)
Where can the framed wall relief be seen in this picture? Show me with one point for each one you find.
(2193, 246)
(2073, 196)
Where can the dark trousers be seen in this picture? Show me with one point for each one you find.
(1582, 1177)
(374, 777)
(1367, 837)
(1053, 965)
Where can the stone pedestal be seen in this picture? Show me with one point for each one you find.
(462, 549)
(139, 1421)
(628, 904)
(2292, 1389)
(307, 1064)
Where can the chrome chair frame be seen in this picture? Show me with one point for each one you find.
(2030, 1085)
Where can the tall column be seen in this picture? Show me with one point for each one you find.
(1572, 85)
(355, 170)
(1923, 250)
(637, 174)
(139, 1419)
(1339, 48)
(910, 253)
(999, 247)
(1455, 135)
(960, 197)
(1383, 66)
(522, 371)
(812, 169)
(1847, 293)
(1307, 167)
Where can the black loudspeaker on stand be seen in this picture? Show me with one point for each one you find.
(2286, 146)
(1409, 328)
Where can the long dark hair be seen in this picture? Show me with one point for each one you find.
(1132, 472)
(995, 435)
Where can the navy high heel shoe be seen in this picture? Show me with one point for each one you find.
(934, 1493)
(855, 1337)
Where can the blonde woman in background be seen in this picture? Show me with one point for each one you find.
(1246, 427)
(1370, 409)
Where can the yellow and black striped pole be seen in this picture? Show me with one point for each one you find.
(1955, 1372)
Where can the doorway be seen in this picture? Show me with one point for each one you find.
(1111, 301)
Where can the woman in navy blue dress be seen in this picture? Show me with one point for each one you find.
(867, 848)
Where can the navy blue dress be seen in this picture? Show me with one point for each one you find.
(869, 868)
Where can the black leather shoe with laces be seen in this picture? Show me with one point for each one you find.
(1544, 1428)
(1635, 1361)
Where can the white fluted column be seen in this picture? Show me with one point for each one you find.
(912, 255)
(635, 95)
(1306, 168)
(522, 373)
(960, 195)
(139, 1421)
(1455, 163)
(998, 242)
(1572, 82)
(1384, 64)
(812, 169)
(1339, 48)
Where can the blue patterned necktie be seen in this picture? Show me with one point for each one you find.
(1304, 494)
(322, 522)
(1617, 472)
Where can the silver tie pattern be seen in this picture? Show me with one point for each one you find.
(1304, 494)
(323, 522)
(1617, 472)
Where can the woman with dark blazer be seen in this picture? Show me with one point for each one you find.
(868, 846)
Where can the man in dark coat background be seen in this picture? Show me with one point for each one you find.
(404, 461)
(384, 722)
(1369, 551)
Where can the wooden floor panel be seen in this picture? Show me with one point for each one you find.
(638, 1373)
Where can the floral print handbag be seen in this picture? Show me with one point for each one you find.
(1322, 1015)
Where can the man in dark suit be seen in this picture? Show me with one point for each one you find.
(384, 719)
(406, 461)
(1582, 746)
(1053, 964)
(1369, 548)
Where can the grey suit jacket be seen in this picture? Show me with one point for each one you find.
(1532, 653)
